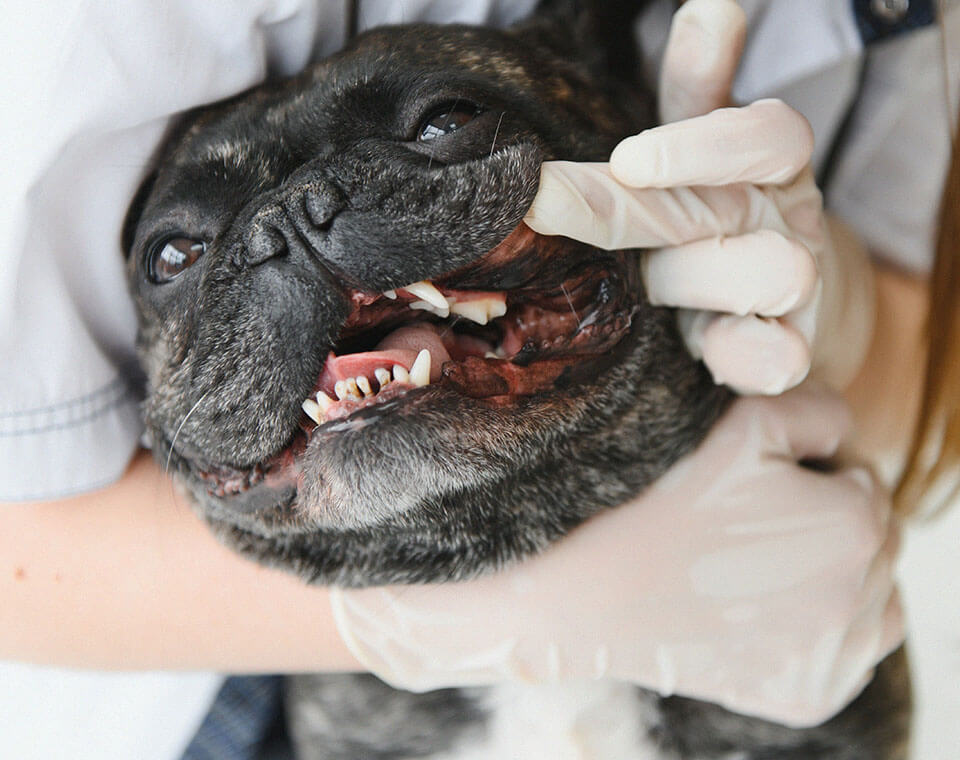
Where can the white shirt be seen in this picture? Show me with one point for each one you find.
(86, 89)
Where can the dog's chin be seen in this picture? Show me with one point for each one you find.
(443, 386)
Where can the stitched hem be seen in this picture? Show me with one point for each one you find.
(68, 413)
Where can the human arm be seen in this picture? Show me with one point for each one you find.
(129, 578)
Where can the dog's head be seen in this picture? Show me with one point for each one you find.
(360, 361)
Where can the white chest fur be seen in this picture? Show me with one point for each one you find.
(597, 720)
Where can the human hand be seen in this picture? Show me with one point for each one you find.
(728, 199)
(740, 577)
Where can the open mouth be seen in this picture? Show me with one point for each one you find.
(534, 314)
(529, 316)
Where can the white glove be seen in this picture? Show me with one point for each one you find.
(739, 578)
(729, 200)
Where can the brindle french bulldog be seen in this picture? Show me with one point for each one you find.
(366, 369)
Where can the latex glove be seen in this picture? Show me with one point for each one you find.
(729, 200)
(739, 578)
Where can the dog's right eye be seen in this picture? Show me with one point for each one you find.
(171, 257)
(447, 119)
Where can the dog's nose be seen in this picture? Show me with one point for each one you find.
(301, 212)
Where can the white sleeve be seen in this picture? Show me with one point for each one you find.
(86, 89)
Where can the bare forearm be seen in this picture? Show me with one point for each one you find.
(129, 578)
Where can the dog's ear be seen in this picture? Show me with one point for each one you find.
(598, 33)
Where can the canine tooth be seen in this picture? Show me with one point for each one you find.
(426, 291)
(391, 294)
(420, 371)
(426, 306)
(312, 408)
(324, 401)
(400, 374)
(364, 385)
(341, 389)
(382, 375)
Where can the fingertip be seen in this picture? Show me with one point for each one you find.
(793, 132)
(754, 355)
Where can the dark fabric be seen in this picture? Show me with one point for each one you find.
(243, 723)
(874, 25)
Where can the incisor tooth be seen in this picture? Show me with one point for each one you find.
(420, 371)
(312, 408)
(426, 291)
(341, 389)
(400, 374)
(391, 294)
(364, 385)
(382, 375)
(324, 402)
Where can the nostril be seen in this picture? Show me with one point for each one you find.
(321, 204)
(264, 242)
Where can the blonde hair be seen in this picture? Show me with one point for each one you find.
(931, 478)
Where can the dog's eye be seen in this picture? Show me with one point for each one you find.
(171, 257)
(447, 119)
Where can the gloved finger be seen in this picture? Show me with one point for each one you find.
(752, 355)
(583, 201)
(761, 273)
(766, 142)
(701, 58)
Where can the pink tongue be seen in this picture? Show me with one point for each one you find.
(399, 347)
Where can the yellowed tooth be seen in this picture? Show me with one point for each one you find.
(475, 311)
(391, 294)
(352, 388)
(324, 402)
(496, 307)
(341, 389)
(364, 385)
(312, 408)
(420, 371)
(427, 291)
(425, 306)
(400, 374)
(382, 375)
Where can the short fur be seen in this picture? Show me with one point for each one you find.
(312, 186)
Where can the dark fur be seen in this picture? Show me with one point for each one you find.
(311, 185)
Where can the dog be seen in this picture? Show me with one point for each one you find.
(366, 369)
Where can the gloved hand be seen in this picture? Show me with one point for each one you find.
(739, 577)
(729, 200)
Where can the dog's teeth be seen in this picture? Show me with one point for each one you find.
(480, 310)
(364, 385)
(382, 375)
(490, 355)
(341, 389)
(475, 311)
(324, 402)
(426, 306)
(312, 408)
(352, 387)
(420, 371)
(427, 291)
(391, 294)
(400, 374)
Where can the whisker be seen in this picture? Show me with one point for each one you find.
(449, 327)
(570, 304)
(496, 133)
(166, 466)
